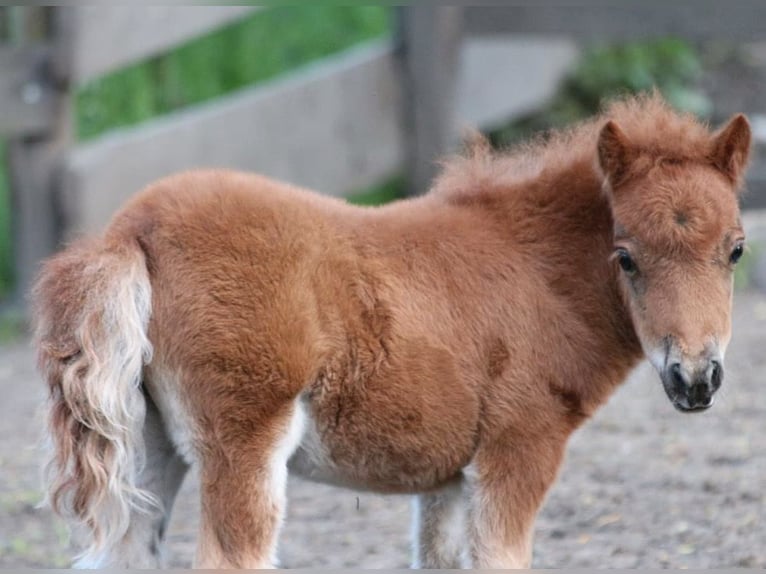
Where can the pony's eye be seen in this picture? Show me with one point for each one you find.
(737, 252)
(626, 262)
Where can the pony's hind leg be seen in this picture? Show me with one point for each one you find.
(243, 488)
(439, 529)
(161, 476)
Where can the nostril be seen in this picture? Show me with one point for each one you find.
(677, 375)
(699, 394)
(716, 376)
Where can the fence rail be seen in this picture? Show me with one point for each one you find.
(333, 127)
(106, 38)
(336, 126)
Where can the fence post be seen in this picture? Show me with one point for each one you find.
(34, 159)
(429, 38)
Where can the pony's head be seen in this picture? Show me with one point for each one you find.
(677, 237)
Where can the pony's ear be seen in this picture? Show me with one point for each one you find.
(731, 148)
(614, 152)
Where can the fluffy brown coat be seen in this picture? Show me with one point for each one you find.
(459, 336)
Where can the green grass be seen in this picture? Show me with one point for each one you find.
(255, 49)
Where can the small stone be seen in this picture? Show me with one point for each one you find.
(686, 549)
(680, 527)
(608, 519)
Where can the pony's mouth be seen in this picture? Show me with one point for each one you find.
(683, 406)
(691, 394)
(682, 402)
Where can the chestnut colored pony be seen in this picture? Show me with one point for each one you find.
(445, 346)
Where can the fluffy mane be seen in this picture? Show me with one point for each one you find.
(650, 124)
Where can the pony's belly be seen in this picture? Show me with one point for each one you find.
(312, 461)
(377, 455)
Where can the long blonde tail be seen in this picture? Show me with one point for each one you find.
(92, 305)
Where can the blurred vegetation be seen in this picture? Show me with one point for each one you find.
(379, 194)
(671, 65)
(12, 325)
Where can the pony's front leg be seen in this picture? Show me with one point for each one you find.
(243, 489)
(506, 485)
(438, 528)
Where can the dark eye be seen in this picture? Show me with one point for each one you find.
(737, 252)
(626, 262)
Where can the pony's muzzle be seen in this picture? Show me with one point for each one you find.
(693, 391)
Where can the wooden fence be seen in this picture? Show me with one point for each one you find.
(342, 124)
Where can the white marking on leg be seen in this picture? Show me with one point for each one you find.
(164, 388)
(278, 479)
(439, 529)
(489, 550)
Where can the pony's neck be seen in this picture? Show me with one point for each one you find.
(571, 216)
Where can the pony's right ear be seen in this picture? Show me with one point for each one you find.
(731, 148)
(614, 152)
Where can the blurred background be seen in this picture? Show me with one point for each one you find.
(352, 101)
(360, 102)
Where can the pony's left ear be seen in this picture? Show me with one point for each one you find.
(731, 148)
(614, 153)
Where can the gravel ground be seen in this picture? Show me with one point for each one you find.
(642, 486)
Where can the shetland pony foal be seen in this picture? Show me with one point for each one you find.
(445, 346)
